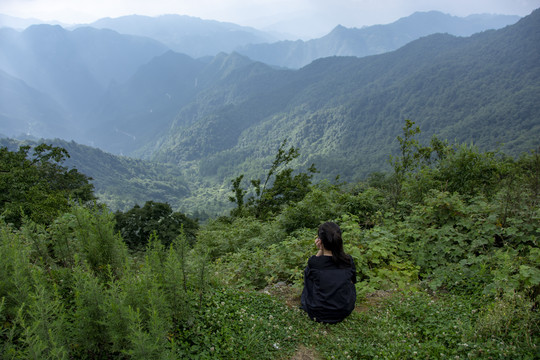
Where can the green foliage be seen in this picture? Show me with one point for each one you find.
(220, 238)
(83, 297)
(316, 207)
(410, 155)
(16, 282)
(367, 203)
(239, 194)
(381, 259)
(241, 325)
(101, 248)
(285, 189)
(417, 325)
(138, 224)
(89, 328)
(37, 186)
(470, 172)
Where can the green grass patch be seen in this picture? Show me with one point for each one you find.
(418, 325)
(234, 324)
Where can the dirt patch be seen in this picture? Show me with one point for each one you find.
(372, 300)
(284, 291)
(303, 353)
(291, 296)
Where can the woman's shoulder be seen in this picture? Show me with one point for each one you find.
(326, 262)
(313, 259)
(317, 261)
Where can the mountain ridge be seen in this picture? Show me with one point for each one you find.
(383, 88)
(75, 68)
(371, 40)
(186, 34)
(230, 113)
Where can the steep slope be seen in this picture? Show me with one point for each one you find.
(189, 35)
(344, 112)
(372, 40)
(24, 110)
(73, 67)
(132, 113)
(166, 91)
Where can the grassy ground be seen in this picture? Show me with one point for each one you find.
(418, 324)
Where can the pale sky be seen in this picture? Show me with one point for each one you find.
(308, 16)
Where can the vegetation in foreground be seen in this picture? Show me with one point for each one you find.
(450, 237)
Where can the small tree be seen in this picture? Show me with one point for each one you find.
(413, 157)
(137, 224)
(285, 188)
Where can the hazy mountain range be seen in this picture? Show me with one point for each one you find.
(185, 34)
(196, 37)
(73, 74)
(216, 116)
(372, 40)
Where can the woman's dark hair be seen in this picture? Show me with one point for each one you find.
(330, 235)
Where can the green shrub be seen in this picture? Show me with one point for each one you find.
(45, 328)
(16, 283)
(471, 172)
(101, 248)
(89, 335)
(366, 205)
(219, 238)
(318, 206)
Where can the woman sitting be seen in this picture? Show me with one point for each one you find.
(329, 293)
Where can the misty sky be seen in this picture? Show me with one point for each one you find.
(300, 17)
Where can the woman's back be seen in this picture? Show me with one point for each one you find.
(329, 293)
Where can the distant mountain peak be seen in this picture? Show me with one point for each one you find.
(371, 40)
(339, 27)
(186, 34)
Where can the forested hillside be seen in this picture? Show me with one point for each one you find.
(86, 72)
(120, 182)
(344, 112)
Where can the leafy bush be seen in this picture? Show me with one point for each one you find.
(37, 186)
(138, 224)
(316, 207)
(219, 238)
(381, 260)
